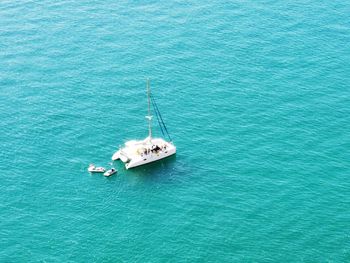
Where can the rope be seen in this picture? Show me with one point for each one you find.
(160, 116)
(154, 106)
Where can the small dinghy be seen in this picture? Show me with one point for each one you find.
(93, 169)
(110, 172)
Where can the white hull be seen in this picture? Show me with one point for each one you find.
(93, 169)
(149, 159)
(109, 173)
(134, 153)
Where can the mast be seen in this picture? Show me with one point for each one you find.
(149, 116)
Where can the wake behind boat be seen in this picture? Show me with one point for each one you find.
(136, 153)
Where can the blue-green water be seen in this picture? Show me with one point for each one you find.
(254, 93)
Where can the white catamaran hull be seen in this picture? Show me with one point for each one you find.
(132, 160)
(148, 159)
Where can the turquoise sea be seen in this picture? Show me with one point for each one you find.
(254, 93)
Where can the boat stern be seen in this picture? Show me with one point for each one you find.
(116, 155)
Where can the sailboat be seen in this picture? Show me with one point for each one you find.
(139, 152)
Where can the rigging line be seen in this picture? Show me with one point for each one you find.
(160, 121)
(157, 115)
(165, 128)
(160, 125)
(160, 115)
